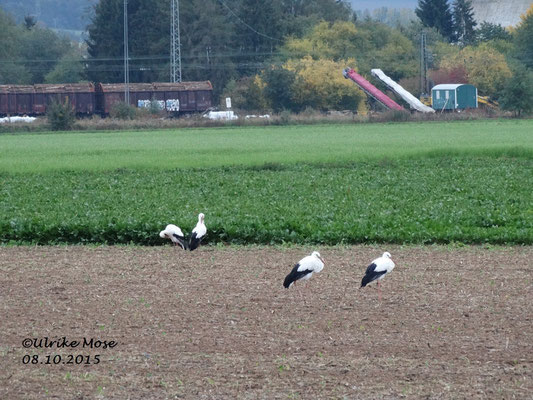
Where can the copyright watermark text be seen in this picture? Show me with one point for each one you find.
(63, 343)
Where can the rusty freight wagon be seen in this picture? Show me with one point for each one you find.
(109, 94)
(4, 99)
(79, 95)
(87, 99)
(16, 99)
(182, 97)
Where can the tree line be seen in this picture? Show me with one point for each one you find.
(57, 14)
(281, 54)
(30, 54)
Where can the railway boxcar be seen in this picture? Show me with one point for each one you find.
(79, 95)
(182, 97)
(109, 94)
(4, 99)
(87, 99)
(16, 99)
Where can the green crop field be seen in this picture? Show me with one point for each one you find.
(467, 182)
(214, 147)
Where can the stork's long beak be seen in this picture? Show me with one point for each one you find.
(321, 259)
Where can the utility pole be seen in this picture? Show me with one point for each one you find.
(175, 42)
(423, 65)
(126, 57)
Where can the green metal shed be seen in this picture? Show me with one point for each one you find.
(454, 97)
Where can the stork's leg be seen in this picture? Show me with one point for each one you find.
(301, 287)
(379, 291)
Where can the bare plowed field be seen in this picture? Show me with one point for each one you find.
(217, 324)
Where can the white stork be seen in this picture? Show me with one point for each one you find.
(175, 234)
(198, 233)
(377, 270)
(304, 269)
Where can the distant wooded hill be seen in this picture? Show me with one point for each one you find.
(75, 15)
(373, 4)
(56, 14)
(502, 12)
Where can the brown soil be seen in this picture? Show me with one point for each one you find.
(217, 323)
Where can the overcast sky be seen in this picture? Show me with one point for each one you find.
(371, 4)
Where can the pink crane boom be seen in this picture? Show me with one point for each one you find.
(371, 90)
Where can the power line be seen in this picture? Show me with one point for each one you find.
(126, 56)
(245, 24)
(164, 67)
(197, 54)
(213, 54)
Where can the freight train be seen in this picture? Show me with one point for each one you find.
(88, 98)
